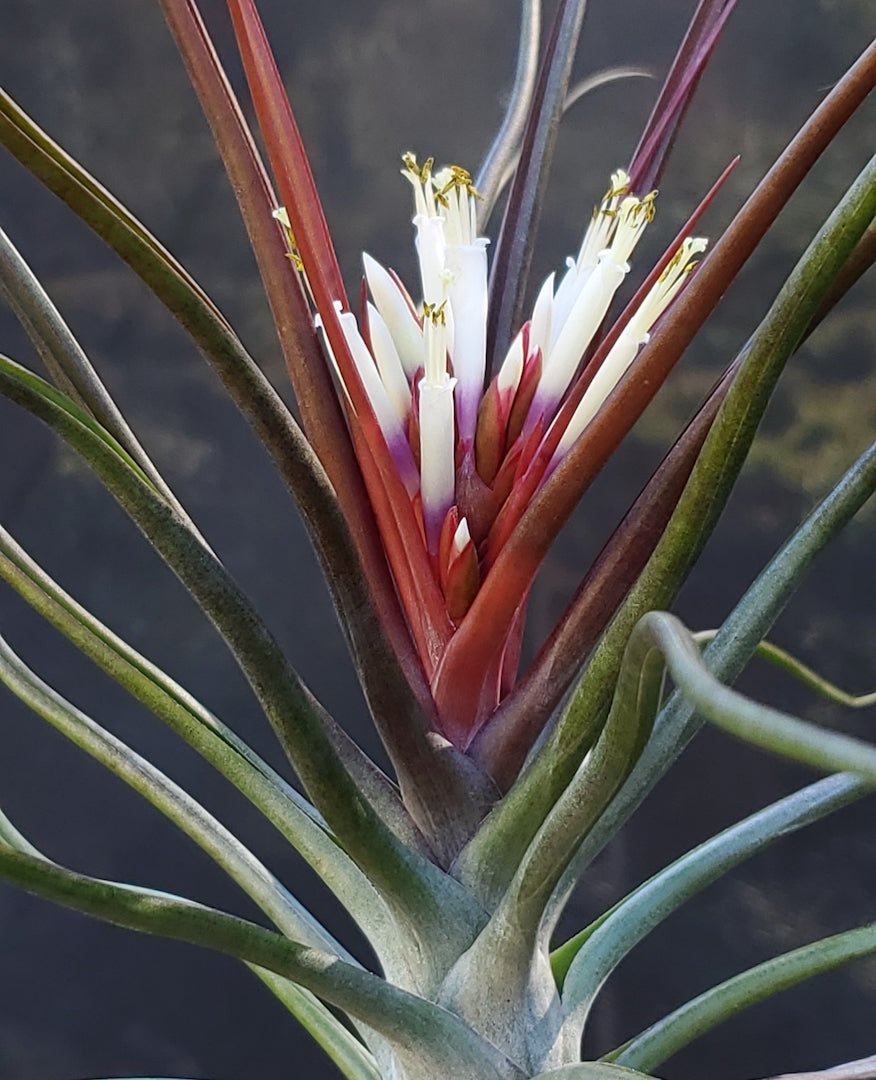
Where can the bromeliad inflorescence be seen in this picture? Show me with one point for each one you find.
(468, 457)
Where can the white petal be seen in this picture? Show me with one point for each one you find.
(388, 364)
(393, 307)
(386, 415)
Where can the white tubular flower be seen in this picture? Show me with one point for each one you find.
(396, 313)
(632, 337)
(596, 239)
(591, 304)
(437, 434)
(429, 224)
(384, 411)
(389, 365)
(465, 261)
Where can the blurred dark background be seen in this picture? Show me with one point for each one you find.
(368, 79)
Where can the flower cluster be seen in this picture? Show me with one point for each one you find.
(463, 446)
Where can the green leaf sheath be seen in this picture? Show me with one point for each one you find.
(727, 655)
(323, 762)
(402, 1018)
(582, 965)
(669, 1035)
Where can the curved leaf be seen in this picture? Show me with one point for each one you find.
(794, 667)
(735, 643)
(768, 728)
(663, 1039)
(414, 1026)
(502, 155)
(169, 798)
(343, 1048)
(582, 965)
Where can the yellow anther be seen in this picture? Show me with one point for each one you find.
(458, 178)
(414, 171)
(435, 313)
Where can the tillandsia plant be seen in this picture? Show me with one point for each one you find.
(449, 425)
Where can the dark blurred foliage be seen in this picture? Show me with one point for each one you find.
(368, 80)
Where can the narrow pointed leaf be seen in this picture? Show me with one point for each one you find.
(65, 360)
(656, 142)
(167, 797)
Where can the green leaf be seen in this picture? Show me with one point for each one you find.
(795, 667)
(288, 811)
(736, 641)
(659, 1042)
(343, 1048)
(171, 800)
(65, 360)
(20, 384)
(591, 1070)
(766, 727)
(434, 1041)
(582, 964)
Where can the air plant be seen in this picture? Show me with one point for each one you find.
(449, 427)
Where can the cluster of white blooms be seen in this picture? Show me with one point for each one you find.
(424, 369)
